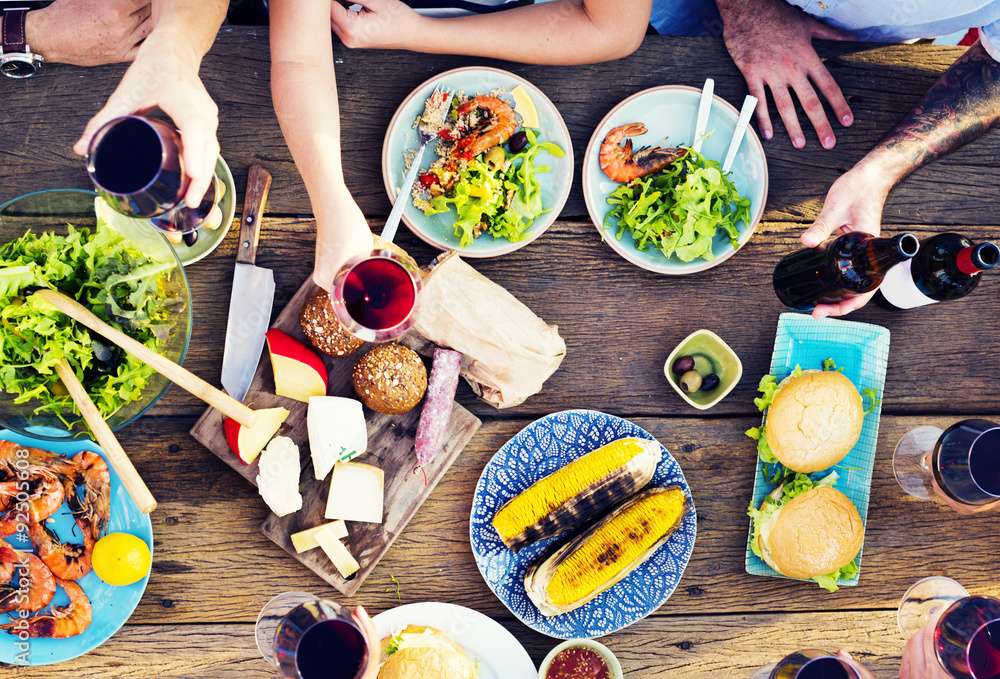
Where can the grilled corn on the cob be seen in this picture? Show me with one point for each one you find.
(605, 553)
(582, 489)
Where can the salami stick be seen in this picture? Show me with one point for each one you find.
(441, 387)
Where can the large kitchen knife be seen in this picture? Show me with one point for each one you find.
(253, 294)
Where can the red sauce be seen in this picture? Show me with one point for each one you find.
(578, 663)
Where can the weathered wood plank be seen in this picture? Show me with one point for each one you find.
(211, 564)
(699, 647)
(42, 117)
(620, 322)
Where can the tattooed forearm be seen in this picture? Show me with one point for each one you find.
(963, 104)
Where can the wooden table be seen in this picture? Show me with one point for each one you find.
(213, 571)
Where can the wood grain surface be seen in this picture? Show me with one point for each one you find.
(214, 570)
(390, 448)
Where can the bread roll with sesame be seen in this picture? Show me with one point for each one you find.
(390, 379)
(322, 328)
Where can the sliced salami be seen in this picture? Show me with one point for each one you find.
(441, 387)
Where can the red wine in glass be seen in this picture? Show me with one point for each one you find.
(136, 166)
(375, 297)
(808, 663)
(967, 638)
(305, 637)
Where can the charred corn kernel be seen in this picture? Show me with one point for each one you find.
(615, 547)
(546, 495)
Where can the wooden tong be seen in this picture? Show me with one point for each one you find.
(219, 400)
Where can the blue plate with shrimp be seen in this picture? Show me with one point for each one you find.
(669, 114)
(111, 606)
(402, 140)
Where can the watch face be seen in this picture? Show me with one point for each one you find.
(17, 66)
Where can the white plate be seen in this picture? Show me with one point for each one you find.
(500, 655)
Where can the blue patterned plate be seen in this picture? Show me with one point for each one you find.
(862, 351)
(111, 605)
(536, 451)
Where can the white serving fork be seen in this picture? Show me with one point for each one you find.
(392, 223)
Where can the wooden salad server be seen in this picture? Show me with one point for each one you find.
(116, 456)
(219, 400)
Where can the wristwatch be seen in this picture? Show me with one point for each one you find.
(16, 58)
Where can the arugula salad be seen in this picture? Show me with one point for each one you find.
(679, 210)
(106, 273)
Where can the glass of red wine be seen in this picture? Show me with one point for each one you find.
(136, 166)
(963, 459)
(375, 297)
(305, 637)
(966, 636)
(809, 663)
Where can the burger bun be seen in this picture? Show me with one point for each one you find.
(814, 420)
(425, 653)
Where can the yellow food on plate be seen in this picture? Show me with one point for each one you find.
(571, 495)
(418, 652)
(121, 559)
(605, 553)
(524, 106)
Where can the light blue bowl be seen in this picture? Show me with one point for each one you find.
(439, 230)
(669, 114)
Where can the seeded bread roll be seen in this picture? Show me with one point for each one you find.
(321, 327)
(390, 379)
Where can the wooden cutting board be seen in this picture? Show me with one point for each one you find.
(390, 447)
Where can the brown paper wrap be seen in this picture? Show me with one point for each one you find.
(509, 351)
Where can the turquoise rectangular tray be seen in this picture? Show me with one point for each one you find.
(862, 350)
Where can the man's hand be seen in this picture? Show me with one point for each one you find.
(347, 237)
(379, 24)
(88, 32)
(919, 658)
(165, 75)
(965, 510)
(364, 621)
(863, 672)
(854, 203)
(771, 43)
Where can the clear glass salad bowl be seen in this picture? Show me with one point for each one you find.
(50, 211)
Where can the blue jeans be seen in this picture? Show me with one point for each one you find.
(686, 17)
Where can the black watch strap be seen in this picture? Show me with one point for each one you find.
(13, 39)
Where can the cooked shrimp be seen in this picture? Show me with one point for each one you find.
(35, 461)
(44, 495)
(66, 560)
(63, 621)
(619, 163)
(35, 587)
(95, 509)
(495, 128)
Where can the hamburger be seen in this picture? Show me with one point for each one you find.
(418, 652)
(814, 418)
(808, 530)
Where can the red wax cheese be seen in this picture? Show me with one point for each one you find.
(247, 442)
(299, 372)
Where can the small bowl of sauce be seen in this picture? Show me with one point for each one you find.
(580, 659)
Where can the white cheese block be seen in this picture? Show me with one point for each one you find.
(305, 540)
(278, 480)
(335, 549)
(356, 492)
(337, 432)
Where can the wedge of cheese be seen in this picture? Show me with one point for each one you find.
(305, 540)
(337, 432)
(278, 480)
(356, 493)
(335, 549)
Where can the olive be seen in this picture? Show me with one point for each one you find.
(683, 365)
(190, 238)
(518, 141)
(710, 382)
(495, 158)
(690, 381)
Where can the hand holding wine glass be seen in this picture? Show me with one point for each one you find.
(919, 658)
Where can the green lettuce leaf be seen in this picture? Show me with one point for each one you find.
(829, 581)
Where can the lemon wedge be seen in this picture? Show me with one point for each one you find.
(525, 107)
(121, 559)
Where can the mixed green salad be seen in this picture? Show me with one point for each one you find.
(679, 210)
(792, 485)
(107, 274)
(500, 198)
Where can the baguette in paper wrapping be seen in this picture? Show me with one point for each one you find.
(509, 351)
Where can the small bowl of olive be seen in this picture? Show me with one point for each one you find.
(703, 369)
